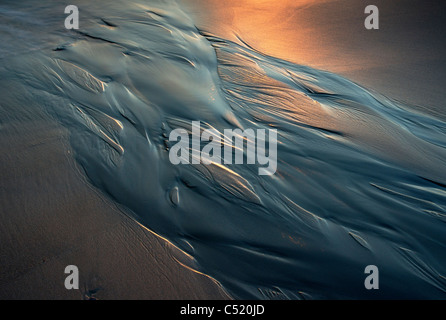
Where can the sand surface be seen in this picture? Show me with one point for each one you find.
(52, 217)
(360, 177)
(404, 59)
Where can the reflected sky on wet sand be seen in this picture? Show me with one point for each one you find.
(404, 60)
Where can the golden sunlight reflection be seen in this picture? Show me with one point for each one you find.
(302, 31)
(330, 35)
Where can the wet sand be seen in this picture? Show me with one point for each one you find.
(50, 214)
(404, 59)
(360, 178)
(52, 217)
